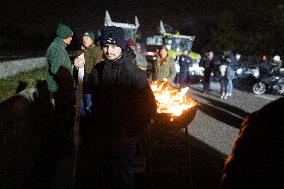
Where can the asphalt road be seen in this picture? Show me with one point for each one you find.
(27, 156)
(218, 120)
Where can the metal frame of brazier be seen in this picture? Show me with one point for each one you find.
(164, 122)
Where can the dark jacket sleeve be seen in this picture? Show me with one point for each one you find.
(144, 104)
(93, 77)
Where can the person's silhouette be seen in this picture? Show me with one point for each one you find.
(256, 160)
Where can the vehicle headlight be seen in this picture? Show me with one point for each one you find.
(256, 74)
(239, 71)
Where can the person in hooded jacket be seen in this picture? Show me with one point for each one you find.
(60, 82)
(123, 104)
(57, 57)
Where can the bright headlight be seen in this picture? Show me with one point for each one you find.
(256, 74)
(239, 71)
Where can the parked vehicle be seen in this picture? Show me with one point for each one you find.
(245, 72)
(175, 44)
(274, 84)
(130, 30)
(246, 77)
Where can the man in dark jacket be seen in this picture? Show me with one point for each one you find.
(123, 105)
(184, 63)
(208, 65)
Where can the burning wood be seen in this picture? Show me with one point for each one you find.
(171, 100)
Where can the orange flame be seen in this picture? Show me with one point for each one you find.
(171, 100)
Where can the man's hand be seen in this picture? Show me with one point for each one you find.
(79, 62)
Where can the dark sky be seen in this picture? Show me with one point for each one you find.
(42, 16)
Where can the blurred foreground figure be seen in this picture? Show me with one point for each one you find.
(256, 160)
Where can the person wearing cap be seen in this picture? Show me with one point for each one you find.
(57, 55)
(123, 104)
(61, 86)
(92, 55)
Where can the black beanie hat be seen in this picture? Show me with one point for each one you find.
(113, 35)
(63, 31)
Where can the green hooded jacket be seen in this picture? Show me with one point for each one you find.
(57, 56)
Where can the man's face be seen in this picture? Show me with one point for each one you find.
(67, 41)
(112, 52)
(87, 41)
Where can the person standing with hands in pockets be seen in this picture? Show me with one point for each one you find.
(164, 68)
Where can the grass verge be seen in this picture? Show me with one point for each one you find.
(10, 86)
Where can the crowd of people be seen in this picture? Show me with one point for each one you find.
(118, 103)
(221, 69)
(224, 69)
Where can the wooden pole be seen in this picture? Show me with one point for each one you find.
(76, 136)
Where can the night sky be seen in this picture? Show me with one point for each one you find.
(42, 16)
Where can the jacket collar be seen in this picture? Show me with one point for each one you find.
(126, 57)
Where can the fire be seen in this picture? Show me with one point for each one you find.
(171, 100)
